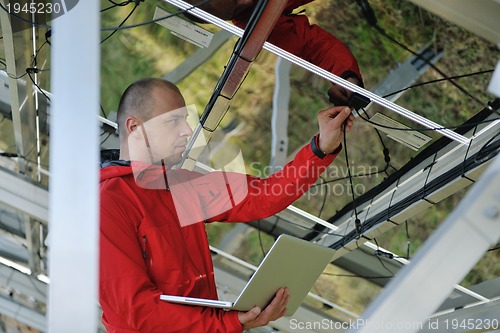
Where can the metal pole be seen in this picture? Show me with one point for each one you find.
(73, 197)
(279, 120)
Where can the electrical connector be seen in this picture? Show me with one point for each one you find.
(358, 101)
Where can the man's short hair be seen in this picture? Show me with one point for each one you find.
(137, 101)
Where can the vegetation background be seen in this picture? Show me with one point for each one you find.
(151, 51)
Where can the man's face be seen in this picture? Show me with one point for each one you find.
(164, 136)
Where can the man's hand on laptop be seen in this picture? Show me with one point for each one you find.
(275, 310)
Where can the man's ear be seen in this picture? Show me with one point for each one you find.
(131, 124)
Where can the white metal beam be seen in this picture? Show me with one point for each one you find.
(28, 285)
(23, 314)
(279, 120)
(199, 57)
(24, 196)
(74, 196)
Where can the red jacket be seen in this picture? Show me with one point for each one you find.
(146, 251)
(294, 33)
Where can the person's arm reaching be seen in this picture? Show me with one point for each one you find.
(251, 198)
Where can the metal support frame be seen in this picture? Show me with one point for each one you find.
(494, 86)
(74, 196)
(199, 57)
(22, 104)
(23, 195)
(33, 244)
(23, 314)
(435, 166)
(23, 283)
(279, 120)
(407, 73)
(410, 299)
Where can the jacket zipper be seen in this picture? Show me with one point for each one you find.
(144, 240)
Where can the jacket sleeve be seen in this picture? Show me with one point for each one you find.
(253, 198)
(129, 299)
(294, 33)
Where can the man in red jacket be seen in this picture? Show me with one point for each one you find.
(147, 248)
(294, 33)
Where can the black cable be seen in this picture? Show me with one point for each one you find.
(7, 154)
(122, 23)
(34, 62)
(114, 5)
(424, 188)
(33, 68)
(467, 155)
(109, 134)
(483, 154)
(387, 160)
(158, 19)
(102, 110)
(386, 152)
(324, 197)
(408, 244)
(39, 89)
(17, 77)
(11, 155)
(48, 34)
(123, 3)
(358, 276)
(438, 80)
(379, 253)
(260, 239)
(357, 222)
(370, 17)
(459, 87)
(376, 254)
(359, 175)
(494, 249)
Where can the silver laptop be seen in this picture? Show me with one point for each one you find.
(291, 262)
